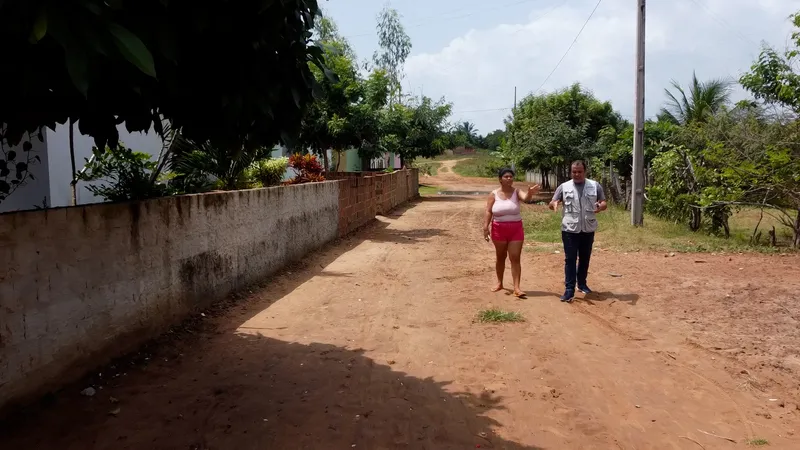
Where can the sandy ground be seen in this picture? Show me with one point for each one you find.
(371, 344)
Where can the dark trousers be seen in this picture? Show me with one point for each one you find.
(577, 252)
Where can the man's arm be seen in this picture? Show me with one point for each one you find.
(557, 197)
(601, 204)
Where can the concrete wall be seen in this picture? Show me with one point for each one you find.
(81, 285)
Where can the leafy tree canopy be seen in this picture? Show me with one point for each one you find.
(229, 73)
(773, 77)
(548, 131)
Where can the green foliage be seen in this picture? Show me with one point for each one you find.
(542, 229)
(617, 146)
(703, 101)
(495, 139)
(122, 173)
(547, 132)
(416, 129)
(267, 172)
(235, 74)
(200, 166)
(772, 77)
(483, 166)
(428, 190)
(735, 158)
(346, 113)
(427, 167)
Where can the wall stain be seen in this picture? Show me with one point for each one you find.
(136, 214)
(201, 274)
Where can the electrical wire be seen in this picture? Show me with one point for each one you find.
(725, 23)
(538, 18)
(444, 18)
(570, 46)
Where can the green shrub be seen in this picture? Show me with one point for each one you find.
(268, 172)
(123, 174)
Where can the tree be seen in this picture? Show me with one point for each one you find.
(495, 139)
(703, 100)
(234, 74)
(415, 130)
(774, 79)
(395, 46)
(346, 112)
(468, 133)
(549, 131)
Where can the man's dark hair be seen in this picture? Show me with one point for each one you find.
(504, 171)
(579, 162)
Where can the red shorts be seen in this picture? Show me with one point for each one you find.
(507, 231)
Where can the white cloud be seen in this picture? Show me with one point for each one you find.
(717, 38)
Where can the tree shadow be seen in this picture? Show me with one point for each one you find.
(237, 390)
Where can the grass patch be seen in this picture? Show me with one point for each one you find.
(616, 233)
(758, 442)
(499, 316)
(428, 190)
(481, 165)
(430, 168)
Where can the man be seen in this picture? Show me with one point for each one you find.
(582, 199)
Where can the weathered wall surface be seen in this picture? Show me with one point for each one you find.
(81, 285)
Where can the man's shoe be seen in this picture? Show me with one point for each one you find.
(585, 289)
(569, 294)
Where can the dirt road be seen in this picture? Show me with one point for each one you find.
(371, 345)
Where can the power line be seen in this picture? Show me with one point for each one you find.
(570, 46)
(724, 23)
(524, 27)
(444, 18)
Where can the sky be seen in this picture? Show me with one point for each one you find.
(475, 52)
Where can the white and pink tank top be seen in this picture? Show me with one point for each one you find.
(506, 210)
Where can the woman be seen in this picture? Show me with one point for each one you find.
(503, 214)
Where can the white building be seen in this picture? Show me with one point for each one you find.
(53, 174)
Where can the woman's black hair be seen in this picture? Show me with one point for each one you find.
(504, 171)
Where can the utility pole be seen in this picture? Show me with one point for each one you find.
(637, 177)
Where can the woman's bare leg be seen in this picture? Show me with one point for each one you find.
(515, 254)
(501, 250)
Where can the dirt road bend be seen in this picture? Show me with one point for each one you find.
(371, 344)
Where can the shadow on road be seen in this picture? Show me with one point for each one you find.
(246, 391)
(606, 296)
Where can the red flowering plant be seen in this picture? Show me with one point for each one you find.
(307, 167)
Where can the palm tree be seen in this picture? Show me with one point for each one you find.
(467, 129)
(201, 165)
(704, 100)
